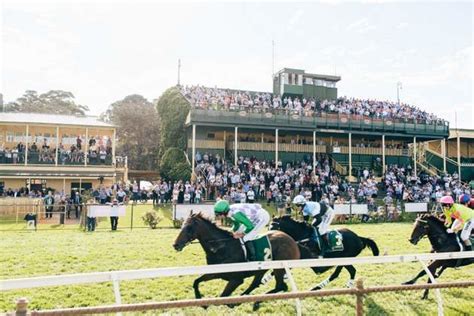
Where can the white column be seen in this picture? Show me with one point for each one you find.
(86, 147)
(27, 143)
(383, 153)
(459, 155)
(414, 154)
(225, 144)
(314, 151)
(236, 157)
(114, 140)
(350, 156)
(443, 152)
(193, 148)
(57, 144)
(276, 147)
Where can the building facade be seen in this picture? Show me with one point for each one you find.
(59, 152)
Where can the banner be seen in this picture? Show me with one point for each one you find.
(182, 211)
(416, 207)
(106, 210)
(345, 209)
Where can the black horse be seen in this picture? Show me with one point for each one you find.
(302, 232)
(221, 247)
(441, 241)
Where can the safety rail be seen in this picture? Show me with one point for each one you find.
(98, 277)
(116, 276)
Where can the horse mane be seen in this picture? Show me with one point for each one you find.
(210, 224)
(433, 219)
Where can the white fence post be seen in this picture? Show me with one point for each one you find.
(439, 298)
(118, 296)
(293, 289)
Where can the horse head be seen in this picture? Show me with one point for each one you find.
(188, 233)
(425, 225)
(286, 224)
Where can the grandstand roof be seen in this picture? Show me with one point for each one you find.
(309, 75)
(52, 119)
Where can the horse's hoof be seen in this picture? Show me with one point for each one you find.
(256, 306)
(424, 297)
(316, 288)
(408, 282)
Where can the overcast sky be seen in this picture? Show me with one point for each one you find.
(105, 51)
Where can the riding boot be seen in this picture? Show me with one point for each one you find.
(251, 256)
(323, 244)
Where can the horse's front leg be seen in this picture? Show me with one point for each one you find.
(257, 280)
(230, 287)
(412, 281)
(202, 278)
(325, 282)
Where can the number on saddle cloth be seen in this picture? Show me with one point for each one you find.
(263, 248)
(335, 241)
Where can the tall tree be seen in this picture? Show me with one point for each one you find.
(138, 131)
(51, 102)
(172, 108)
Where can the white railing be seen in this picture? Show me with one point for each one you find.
(98, 277)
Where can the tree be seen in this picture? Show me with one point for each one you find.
(172, 108)
(51, 102)
(138, 131)
(171, 164)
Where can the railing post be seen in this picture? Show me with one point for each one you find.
(360, 297)
(21, 307)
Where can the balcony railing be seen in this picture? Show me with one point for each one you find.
(207, 143)
(370, 151)
(36, 158)
(281, 118)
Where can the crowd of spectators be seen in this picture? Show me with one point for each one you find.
(226, 99)
(99, 152)
(402, 184)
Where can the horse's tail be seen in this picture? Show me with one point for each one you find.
(371, 244)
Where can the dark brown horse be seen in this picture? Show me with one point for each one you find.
(221, 247)
(432, 227)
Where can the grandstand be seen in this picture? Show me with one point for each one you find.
(59, 152)
(304, 117)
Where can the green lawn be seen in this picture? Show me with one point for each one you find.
(51, 252)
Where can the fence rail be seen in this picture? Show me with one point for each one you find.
(98, 277)
(116, 276)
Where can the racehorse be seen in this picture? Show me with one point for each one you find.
(432, 227)
(221, 247)
(302, 232)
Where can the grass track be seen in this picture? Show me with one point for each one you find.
(53, 252)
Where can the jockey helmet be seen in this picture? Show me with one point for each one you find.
(446, 200)
(221, 207)
(299, 200)
(464, 198)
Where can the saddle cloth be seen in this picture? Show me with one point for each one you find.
(263, 249)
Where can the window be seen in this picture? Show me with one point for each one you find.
(308, 81)
(318, 82)
(330, 84)
(211, 135)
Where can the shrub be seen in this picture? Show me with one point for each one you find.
(152, 219)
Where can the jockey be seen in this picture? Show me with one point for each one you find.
(463, 219)
(466, 200)
(248, 220)
(322, 216)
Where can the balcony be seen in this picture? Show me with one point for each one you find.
(282, 119)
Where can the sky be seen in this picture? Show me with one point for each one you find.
(102, 51)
